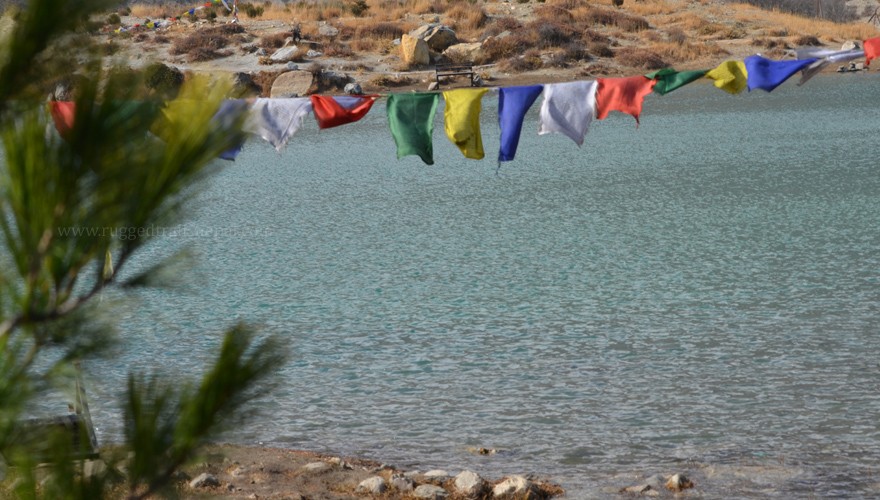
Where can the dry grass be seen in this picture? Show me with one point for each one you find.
(466, 19)
(682, 52)
(389, 81)
(207, 44)
(639, 58)
(798, 25)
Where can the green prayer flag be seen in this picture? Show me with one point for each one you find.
(411, 120)
(668, 79)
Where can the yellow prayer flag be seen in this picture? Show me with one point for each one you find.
(730, 76)
(462, 116)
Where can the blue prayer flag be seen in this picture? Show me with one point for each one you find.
(513, 103)
(767, 74)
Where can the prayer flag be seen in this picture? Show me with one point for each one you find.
(229, 111)
(568, 108)
(730, 76)
(462, 116)
(411, 120)
(339, 110)
(872, 49)
(668, 79)
(767, 74)
(277, 120)
(826, 57)
(513, 103)
(622, 94)
(62, 114)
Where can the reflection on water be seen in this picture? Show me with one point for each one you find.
(696, 295)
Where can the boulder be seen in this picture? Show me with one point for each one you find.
(353, 89)
(464, 51)
(204, 480)
(327, 30)
(468, 484)
(678, 483)
(373, 486)
(311, 54)
(512, 486)
(245, 86)
(284, 54)
(436, 475)
(430, 492)
(414, 51)
(850, 45)
(291, 66)
(402, 483)
(292, 84)
(440, 38)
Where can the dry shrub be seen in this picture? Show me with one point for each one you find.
(337, 49)
(691, 22)
(673, 52)
(273, 41)
(777, 32)
(529, 61)
(265, 79)
(608, 17)
(465, 17)
(365, 44)
(546, 33)
(709, 29)
(385, 80)
(639, 58)
(565, 4)
(553, 13)
(676, 35)
(206, 44)
(770, 43)
(161, 39)
(571, 53)
(599, 49)
(591, 36)
(141, 37)
(652, 8)
(806, 40)
(380, 31)
(496, 49)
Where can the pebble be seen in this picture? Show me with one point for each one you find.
(374, 485)
(317, 467)
(436, 475)
(402, 483)
(512, 486)
(204, 480)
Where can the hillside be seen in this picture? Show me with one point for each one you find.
(524, 41)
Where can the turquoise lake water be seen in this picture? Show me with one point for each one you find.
(699, 295)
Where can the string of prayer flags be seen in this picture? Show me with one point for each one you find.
(622, 94)
(668, 79)
(333, 111)
(229, 111)
(277, 120)
(568, 109)
(462, 117)
(411, 120)
(872, 49)
(513, 103)
(763, 73)
(730, 76)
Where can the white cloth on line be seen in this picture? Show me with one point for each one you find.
(277, 120)
(568, 108)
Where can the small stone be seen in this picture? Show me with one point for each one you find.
(402, 483)
(430, 492)
(413, 474)
(353, 89)
(311, 54)
(433, 86)
(374, 485)
(230, 487)
(327, 30)
(469, 484)
(317, 467)
(512, 486)
(284, 54)
(678, 482)
(639, 489)
(436, 475)
(261, 52)
(292, 66)
(204, 480)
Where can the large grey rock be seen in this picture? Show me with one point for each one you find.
(440, 37)
(284, 54)
(430, 492)
(402, 483)
(414, 51)
(678, 482)
(512, 486)
(327, 30)
(469, 484)
(850, 45)
(311, 54)
(374, 486)
(464, 51)
(292, 84)
(204, 480)
(353, 89)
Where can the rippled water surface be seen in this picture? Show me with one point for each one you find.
(698, 295)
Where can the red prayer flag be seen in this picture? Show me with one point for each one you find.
(62, 114)
(622, 94)
(335, 111)
(872, 49)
